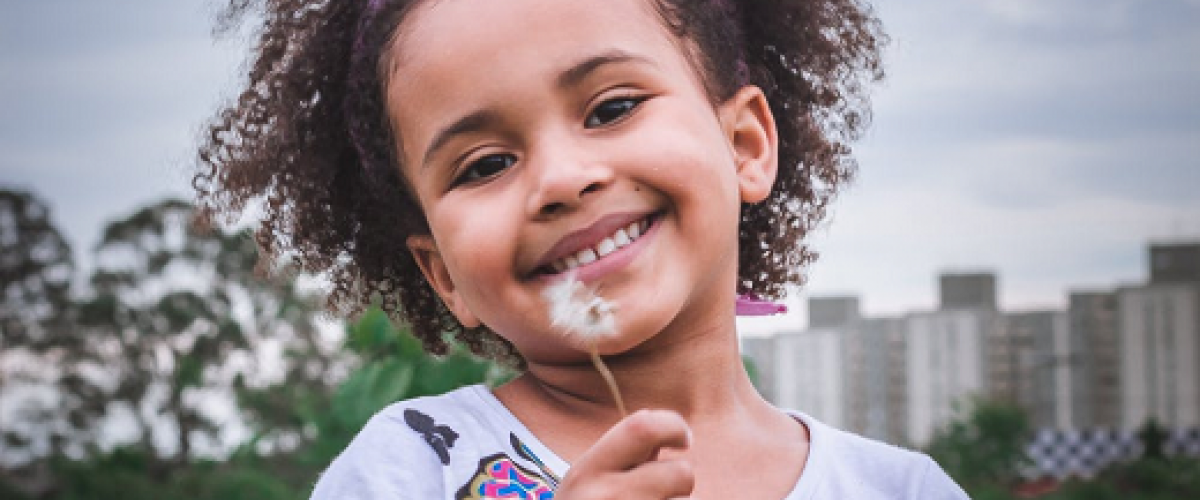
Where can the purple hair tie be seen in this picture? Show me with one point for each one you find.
(364, 18)
(358, 78)
(751, 305)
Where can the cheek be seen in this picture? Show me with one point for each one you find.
(478, 240)
(689, 161)
(472, 240)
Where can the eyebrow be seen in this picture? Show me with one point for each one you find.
(575, 74)
(483, 119)
(473, 122)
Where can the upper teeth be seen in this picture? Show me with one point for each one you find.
(620, 238)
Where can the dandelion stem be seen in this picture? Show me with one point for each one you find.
(610, 380)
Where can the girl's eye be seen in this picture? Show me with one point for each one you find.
(485, 168)
(612, 110)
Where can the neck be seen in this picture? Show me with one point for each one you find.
(695, 371)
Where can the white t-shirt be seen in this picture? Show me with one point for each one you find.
(467, 445)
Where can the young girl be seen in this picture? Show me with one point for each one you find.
(451, 159)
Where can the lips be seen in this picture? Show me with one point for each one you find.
(619, 239)
(607, 235)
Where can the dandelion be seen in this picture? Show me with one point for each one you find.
(579, 312)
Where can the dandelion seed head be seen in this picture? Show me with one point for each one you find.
(578, 311)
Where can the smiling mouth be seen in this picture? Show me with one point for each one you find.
(622, 237)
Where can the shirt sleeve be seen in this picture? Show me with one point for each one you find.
(385, 461)
(935, 484)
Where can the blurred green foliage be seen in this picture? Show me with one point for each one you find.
(391, 367)
(983, 450)
(138, 340)
(1172, 478)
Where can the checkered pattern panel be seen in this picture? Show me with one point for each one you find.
(1084, 453)
(1184, 442)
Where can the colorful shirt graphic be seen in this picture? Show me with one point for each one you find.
(499, 477)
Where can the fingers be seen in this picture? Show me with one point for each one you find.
(659, 479)
(637, 439)
(624, 462)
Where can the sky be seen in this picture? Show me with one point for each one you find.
(1048, 141)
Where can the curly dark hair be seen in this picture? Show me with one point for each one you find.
(309, 140)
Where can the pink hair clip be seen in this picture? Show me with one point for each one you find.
(751, 305)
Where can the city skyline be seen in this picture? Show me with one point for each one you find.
(798, 317)
(1111, 361)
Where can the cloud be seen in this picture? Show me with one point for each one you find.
(101, 105)
(1045, 141)
(960, 68)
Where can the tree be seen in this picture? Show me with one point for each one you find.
(36, 267)
(174, 323)
(390, 366)
(983, 449)
(1154, 439)
(179, 320)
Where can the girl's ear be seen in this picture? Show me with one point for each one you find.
(429, 259)
(750, 129)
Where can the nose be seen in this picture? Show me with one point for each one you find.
(564, 178)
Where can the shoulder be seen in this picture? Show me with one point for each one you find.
(857, 467)
(405, 450)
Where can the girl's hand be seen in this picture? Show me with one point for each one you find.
(624, 463)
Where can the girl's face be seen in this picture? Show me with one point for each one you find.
(543, 135)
